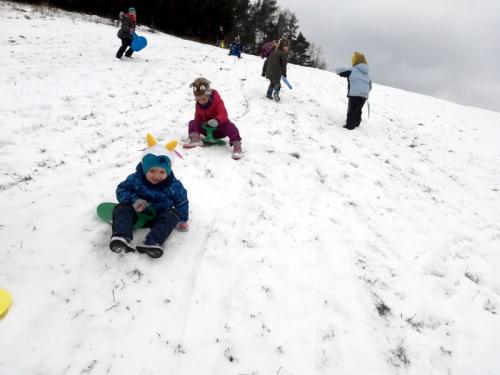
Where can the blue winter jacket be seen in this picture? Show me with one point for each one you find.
(359, 80)
(167, 194)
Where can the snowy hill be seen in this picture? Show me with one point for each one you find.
(323, 251)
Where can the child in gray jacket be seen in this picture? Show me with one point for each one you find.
(359, 88)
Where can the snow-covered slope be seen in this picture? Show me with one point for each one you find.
(323, 251)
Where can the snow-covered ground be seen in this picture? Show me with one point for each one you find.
(323, 251)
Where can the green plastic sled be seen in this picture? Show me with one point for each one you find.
(210, 140)
(105, 212)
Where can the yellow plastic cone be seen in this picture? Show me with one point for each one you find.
(5, 302)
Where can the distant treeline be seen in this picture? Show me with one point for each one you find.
(255, 22)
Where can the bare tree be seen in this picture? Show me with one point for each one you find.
(317, 57)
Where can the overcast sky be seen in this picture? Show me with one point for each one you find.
(444, 48)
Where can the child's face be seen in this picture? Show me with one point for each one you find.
(156, 175)
(202, 99)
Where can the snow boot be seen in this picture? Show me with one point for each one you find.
(194, 141)
(237, 151)
(120, 245)
(347, 127)
(276, 95)
(154, 251)
(269, 93)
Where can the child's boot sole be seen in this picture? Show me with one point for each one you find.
(152, 251)
(120, 246)
(237, 155)
(187, 146)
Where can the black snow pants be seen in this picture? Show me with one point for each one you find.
(126, 42)
(354, 111)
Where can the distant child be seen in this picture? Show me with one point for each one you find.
(210, 111)
(126, 32)
(220, 37)
(153, 186)
(265, 51)
(276, 68)
(359, 88)
(235, 47)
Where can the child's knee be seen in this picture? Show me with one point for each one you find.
(194, 127)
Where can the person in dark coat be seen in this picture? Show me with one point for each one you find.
(220, 37)
(265, 52)
(126, 32)
(276, 68)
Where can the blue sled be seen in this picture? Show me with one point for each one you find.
(284, 79)
(138, 42)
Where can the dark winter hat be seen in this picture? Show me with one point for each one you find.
(283, 42)
(158, 156)
(156, 161)
(201, 87)
(131, 10)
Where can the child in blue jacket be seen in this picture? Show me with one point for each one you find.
(152, 186)
(359, 89)
(235, 48)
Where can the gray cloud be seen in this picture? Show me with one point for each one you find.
(447, 48)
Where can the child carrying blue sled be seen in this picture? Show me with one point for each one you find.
(126, 32)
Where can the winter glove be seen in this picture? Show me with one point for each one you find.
(140, 205)
(182, 227)
(213, 123)
(264, 74)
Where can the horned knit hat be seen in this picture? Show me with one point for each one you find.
(158, 156)
(358, 58)
(201, 87)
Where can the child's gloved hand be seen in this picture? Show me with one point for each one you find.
(183, 227)
(140, 205)
(213, 123)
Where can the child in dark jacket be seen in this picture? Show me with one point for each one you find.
(276, 68)
(153, 186)
(359, 87)
(126, 32)
(220, 37)
(210, 111)
(235, 48)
